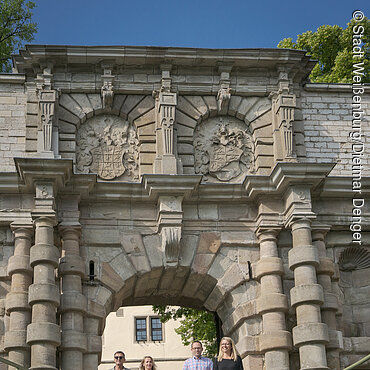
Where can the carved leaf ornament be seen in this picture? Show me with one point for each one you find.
(108, 146)
(224, 149)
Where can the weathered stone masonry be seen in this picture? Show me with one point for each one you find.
(214, 179)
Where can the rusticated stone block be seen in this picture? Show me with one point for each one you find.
(19, 264)
(303, 255)
(274, 302)
(41, 332)
(310, 333)
(41, 253)
(335, 339)
(248, 345)
(326, 266)
(15, 339)
(310, 293)
(73, 301)
(330, 302)
(241, 313)
(274, 340)
(95, 310)
(73, 340)
(94, 343)
(268, 266)
(17, 301)
(209, 242)
(43, 293)
(74, 265)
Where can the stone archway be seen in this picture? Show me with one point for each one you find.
(212, 273)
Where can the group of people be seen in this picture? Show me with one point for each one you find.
(227, 358)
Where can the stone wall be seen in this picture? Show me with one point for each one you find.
(13, 102)
(327, 117)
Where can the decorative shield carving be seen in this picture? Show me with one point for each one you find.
(108, 146)
(224, 149)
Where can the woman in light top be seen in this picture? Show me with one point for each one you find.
(147, 363)
(228, 358)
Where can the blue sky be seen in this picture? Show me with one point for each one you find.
(186, 23)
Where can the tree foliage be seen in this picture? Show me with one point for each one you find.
(332, 46)
(16, 27)
(194, 325)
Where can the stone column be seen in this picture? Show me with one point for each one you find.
(73, 303)
(310, 335)
(325, 271)
(43, 334)
(17, 306)
(275, 340)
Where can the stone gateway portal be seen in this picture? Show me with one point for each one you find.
(214, 179)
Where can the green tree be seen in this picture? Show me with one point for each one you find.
(16, 27)
(194, 325)
(332, 46)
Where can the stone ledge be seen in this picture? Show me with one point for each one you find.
(12, 78)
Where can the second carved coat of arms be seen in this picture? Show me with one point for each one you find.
(224, 149)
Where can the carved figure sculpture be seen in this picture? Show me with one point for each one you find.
(224, 149)
(108, 145)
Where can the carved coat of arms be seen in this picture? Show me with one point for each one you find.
(224, 149)
(108, 145)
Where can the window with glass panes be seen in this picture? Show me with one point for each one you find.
(140, 329)
(156, 329)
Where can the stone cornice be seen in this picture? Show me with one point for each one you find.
(190, 186)
(287, 174)
(151, 55)
(55, 171)
(333, 87)
(12, 78)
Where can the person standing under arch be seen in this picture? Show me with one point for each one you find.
(119, 359)
(197, 362)
(228, 358)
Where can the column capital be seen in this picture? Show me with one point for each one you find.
(300, 222)
(70, 230)
(319, 231)
(22, 226)
(44, 217)
(268, 232)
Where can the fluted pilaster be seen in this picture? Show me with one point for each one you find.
(275, 340)
(17, 306)
(73, 303)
